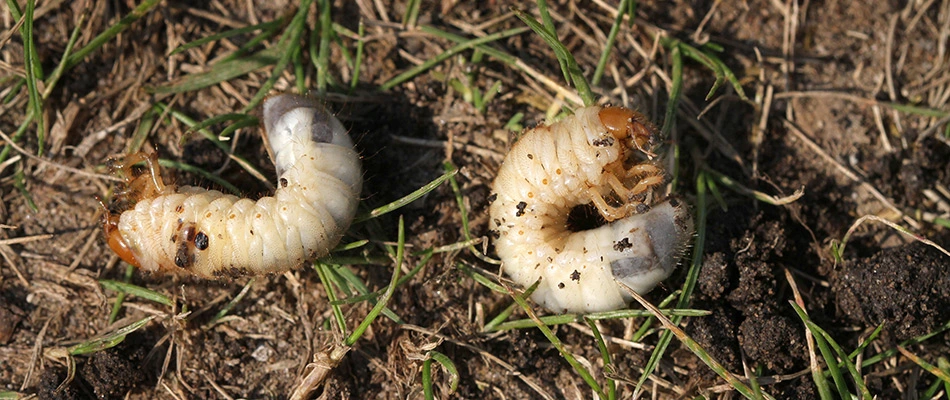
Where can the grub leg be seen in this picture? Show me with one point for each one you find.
(145, 185)
(611, 213)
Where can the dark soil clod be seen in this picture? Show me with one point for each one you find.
(906, 288)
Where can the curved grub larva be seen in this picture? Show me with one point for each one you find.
(192, 230)
(597, 156)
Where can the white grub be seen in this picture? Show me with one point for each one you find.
(192, 230)
(598, 156)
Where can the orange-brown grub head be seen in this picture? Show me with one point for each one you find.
(110, 227)
(622, 123)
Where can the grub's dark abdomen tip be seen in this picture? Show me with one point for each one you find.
(305, 109)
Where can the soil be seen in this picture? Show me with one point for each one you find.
(916, 276)
(817, 120)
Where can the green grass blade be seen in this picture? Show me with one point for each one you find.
(944, 365)
(716, 193)
(556, 342)
(827, 355)
(120, 298)
(546, 20)
(205, 174)
(123, 24)
(514, 123)
(481, 279)
(727, 75)
(866, 342)
(350, 280)
(626, 7)
(411, 16)
(366, 295)
(135, 290)
(400, 251)
(691, 277)
(426, 256)
(360, 287)
(605, 355)
(108, 341)
(569, 65)
(716, 176)
(449, 367)
(61, 67)
(336, 33)
(647, 325)
(463, 212)
(324, 274)
(676, 92)
(258, 39)
(427, 392)
(548, 320)
(917, 110)
(930, 393)
(493, 91)
(16, 136)
(692, 345)
(561, 319)
(34, 74)
(447, 364)
(415, 195)
(245, 121)
(350, 246)
(360, 259)
(340, 277)
(286, 46)
(19, 182)
(300, 74)
(358, 62)
(719, 69)
(548, 24)
(268, 26)
(222, 71)
(146, 123)
(466, 45)
(230, 305)
(754, 383)
(932, 369)
(499, 55)
(909, 342)
(18, 84)
(236, 117)
(323, 56)
(843, 357)
(504, 314)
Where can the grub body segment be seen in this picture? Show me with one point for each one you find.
(575, 162)
(318, 190)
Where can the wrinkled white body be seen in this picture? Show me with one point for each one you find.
(546, 174)
(317, 193)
